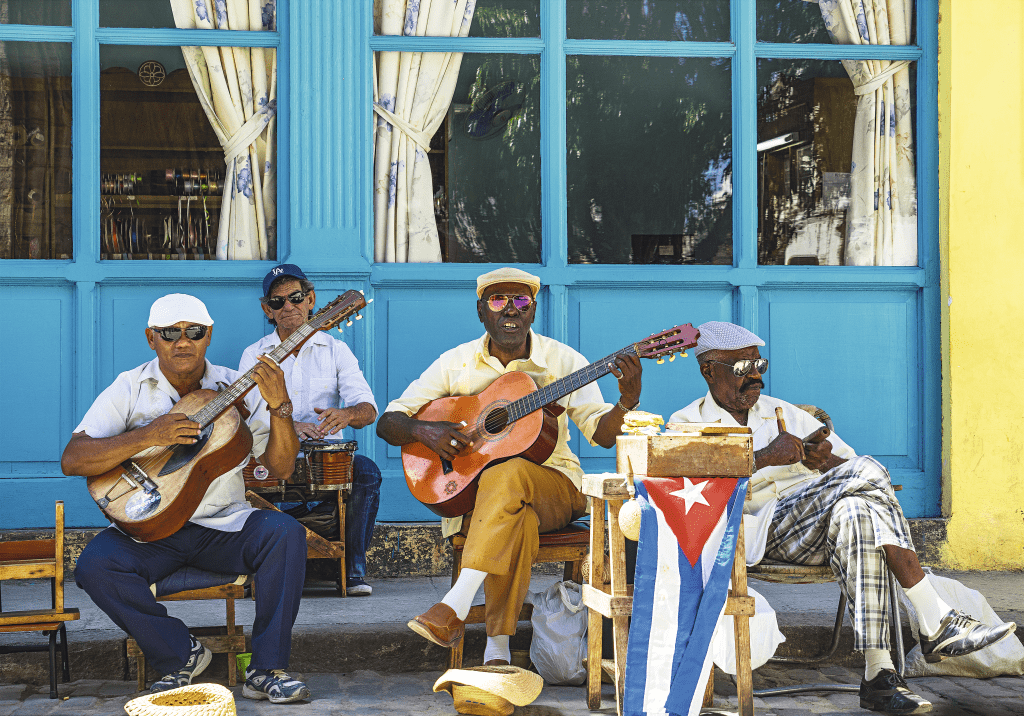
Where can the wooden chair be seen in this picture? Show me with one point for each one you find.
(569, 544)
(40, 559)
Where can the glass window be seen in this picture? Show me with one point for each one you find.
(689, 20)
(35, 12)
(827, 158)
(35, 151)
(163, 174)
(649, 160)
(203, 14)
(506, 18)
(454, 18)
(801, 21)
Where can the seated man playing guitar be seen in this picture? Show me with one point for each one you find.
(223, 534)
(516, 500)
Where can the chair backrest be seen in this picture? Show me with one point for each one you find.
(818, 414)
(38, 559)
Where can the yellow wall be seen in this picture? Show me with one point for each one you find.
(981, 139)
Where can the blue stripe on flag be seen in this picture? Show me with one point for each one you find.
(643, 597)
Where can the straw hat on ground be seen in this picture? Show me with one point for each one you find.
(192, 700)
(490, 690)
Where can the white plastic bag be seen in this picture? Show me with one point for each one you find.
(765, 636)
(559, 633)
(1005, 658)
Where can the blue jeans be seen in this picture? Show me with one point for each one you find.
(116, 571)
(361, 514)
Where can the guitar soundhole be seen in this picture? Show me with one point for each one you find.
(496, 421)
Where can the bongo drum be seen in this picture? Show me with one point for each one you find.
(329, 462)
(256, 475)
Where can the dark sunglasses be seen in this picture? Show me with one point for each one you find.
(742, 367)
(193, 333)
(498, 302)
(277, 302)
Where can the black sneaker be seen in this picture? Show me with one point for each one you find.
(889, 694)
(960, 634)
(357, 587)
(198, 659)
(275, 685)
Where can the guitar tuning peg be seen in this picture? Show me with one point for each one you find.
(359, 316)
(362, 292)
(660, 361)
(683, 355)
(368, 302)
(349, 322)
(672, 358)
(340, 329)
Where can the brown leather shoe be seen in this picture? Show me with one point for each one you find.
(439, 625)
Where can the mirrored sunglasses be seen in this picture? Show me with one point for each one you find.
(277, 302)
(743, 367)
(499, 301)
(193, 333)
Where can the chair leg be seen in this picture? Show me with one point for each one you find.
(140, 668)
(53, 663)
(65, 664)
(896, 625)
(833, 645)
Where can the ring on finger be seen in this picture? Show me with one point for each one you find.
(455, 443)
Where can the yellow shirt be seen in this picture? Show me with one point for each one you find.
(469, 368)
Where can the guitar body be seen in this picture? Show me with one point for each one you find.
(533, 437)
(224, 444)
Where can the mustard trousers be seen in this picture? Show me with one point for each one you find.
(516, 502)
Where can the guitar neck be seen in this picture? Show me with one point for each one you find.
(227, 397)
(563, 386)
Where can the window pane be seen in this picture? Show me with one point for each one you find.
(452, 18)
(506, 18)
(35, 150)
(802, 21)
(821, 151)
(35, 12)
(163, 174)
(693, 20)
(203, 14)
(489, 152)
(649, 160)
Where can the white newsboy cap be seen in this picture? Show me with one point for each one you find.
(722, 336)
(507, 275)
(174, 307)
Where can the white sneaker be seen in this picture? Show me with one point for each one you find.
(356, 587)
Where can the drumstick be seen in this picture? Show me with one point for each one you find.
(778, 417)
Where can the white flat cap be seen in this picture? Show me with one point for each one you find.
(174, 307)
(722, 336)
(507, 275)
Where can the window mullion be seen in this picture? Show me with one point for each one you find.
(554, 244)
(85, 134)
(744, 134)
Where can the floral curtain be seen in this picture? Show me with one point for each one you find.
(237, 87)
(412, 92)
(882, 218)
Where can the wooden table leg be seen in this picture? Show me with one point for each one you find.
(595, 627)
(620, 624)
(342, 569)
(741, 622)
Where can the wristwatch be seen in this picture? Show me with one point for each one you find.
(284, 410)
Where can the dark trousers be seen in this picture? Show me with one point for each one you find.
(116, 571)
(361, 514)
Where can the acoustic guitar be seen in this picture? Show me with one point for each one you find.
(510, 418)
(153, 494)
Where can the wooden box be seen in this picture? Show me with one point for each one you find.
(704, 451)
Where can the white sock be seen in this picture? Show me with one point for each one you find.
(929, 606)
(460, 597)
(875, 660)
(497, 648)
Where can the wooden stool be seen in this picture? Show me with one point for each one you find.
(568, 545)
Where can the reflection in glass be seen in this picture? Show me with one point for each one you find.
(506, 18)
(649, 160)
(35, 12)
(486, 163)
(490, 18)
(35, 150)
(190, 13)
(801, 20)
(690, 20)
(807, 125)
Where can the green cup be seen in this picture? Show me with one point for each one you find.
(243, 661)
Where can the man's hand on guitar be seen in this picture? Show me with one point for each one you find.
(270, 378)
(442, 437)
(172, 429)
(628, 370)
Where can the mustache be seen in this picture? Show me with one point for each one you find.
(752, 383)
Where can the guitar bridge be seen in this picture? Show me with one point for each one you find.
(135, 476)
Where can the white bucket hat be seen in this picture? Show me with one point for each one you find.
(490, 690)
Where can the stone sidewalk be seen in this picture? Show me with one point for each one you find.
(370, 693)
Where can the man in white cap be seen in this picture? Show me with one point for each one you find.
(824, 503)
(517, 499)
(224, 535)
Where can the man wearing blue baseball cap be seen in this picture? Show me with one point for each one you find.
(329, 394)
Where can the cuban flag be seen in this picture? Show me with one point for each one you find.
(688, 535)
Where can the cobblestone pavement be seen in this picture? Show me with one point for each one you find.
(368, 693)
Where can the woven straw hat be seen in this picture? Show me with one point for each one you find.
(194, 700)
(490, 690)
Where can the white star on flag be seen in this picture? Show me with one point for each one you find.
(691, 494)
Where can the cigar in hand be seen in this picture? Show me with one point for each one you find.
(817, 436)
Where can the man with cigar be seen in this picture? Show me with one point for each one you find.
(817, 501)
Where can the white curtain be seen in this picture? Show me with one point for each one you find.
(411, 93)
(882, 218)
(237, 87)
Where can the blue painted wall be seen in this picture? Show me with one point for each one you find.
(860, 342)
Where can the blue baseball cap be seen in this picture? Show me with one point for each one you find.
(279, 271)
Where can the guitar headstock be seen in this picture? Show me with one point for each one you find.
(668, 343)
(338, 310)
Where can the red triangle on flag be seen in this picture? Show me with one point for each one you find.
(692, 508)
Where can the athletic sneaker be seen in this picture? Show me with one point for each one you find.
(198, 659)
(273, 684)
(356, 587)
(960, 634)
